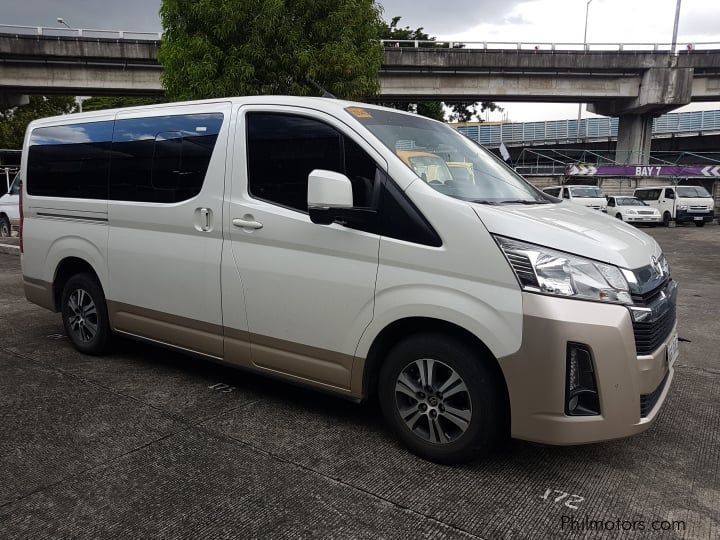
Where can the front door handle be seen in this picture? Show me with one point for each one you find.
(247, 223)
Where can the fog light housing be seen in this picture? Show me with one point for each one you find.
(581, 395)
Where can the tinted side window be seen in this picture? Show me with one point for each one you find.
(162, 159)
(669, 193)
(566, 193)
(611, 201)
(282, 149)
(70, 160)
(642, 195)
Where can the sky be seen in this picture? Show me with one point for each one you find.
(609, 21)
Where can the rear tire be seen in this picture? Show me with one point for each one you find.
(441, 399)
(5, 230)
(84, 314)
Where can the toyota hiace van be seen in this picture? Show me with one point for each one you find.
(293, 237)
(680, 204)
(589, 196)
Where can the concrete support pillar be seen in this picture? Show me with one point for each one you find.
(634, 139)
(8, 101)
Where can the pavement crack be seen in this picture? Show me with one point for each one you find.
(94, 467)
(345, 484)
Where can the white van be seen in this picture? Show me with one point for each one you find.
(681, 204)
(10, 208)
(590, 196)
(286, 236)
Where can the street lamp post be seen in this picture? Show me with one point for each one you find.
(675, 26)
(62, 21)
(587, 11)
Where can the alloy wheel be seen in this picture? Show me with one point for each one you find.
(83, 316)
(433, 401)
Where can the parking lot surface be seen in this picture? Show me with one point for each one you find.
(148, 442)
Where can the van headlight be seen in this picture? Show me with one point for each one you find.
(682, 207)
(544, 270)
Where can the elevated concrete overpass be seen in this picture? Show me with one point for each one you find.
(630, 82)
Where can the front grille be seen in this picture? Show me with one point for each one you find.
(646, 212)
(648, 401)
(650, 335)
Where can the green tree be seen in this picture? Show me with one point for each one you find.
(14, 121)
(218, 48)
(465, 112)
(114, 102)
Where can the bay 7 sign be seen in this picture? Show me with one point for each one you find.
(674, 171)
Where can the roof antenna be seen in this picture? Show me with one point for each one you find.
(319, 88)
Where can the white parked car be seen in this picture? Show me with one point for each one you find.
(590, 196)
(10, 209)
(633, 210)
(681, 204)
(287, 236)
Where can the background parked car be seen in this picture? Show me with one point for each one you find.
(633, 210)
(10, 208)
(590, 196)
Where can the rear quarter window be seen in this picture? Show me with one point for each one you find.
(70, 160)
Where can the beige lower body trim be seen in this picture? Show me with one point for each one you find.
(535, 375)
(39, 292)
(205, 338)
(308, 365)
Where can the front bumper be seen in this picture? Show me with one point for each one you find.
(683, 216)
(638, 218)
(535, 375)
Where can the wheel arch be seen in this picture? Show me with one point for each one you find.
(402, 328)
(64, 270)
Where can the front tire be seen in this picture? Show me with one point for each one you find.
(5, 230)
(84, 314)
(619, 216)
(666, 219)
(699, 223)
(441, 399)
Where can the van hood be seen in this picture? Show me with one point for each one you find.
(574, 229)
(590, 201)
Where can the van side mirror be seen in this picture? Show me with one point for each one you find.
(330, 199)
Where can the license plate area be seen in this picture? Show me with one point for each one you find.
(671, 352)
(698, 218)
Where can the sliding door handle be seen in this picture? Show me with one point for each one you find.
(247, 223)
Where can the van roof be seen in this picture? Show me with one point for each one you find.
(303, 101)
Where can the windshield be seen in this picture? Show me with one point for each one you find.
(630, 201)
(586, 192)
(449, 162)
(692, 191)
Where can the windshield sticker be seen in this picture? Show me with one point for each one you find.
(359, 112)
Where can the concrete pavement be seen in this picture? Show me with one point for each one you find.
(148, 442)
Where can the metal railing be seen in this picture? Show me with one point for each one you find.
(539, 46)
(529, 46)
(589, 128)
(48, 31)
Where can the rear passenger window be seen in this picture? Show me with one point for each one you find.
(70, 160)
(162, 159)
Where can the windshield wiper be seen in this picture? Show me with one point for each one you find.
(522, 201)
